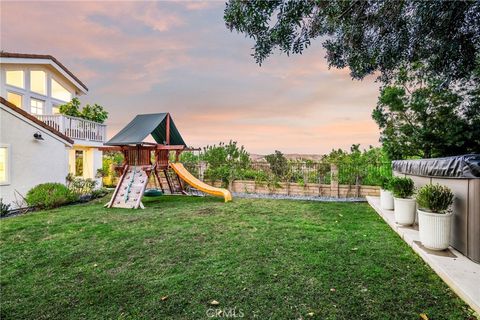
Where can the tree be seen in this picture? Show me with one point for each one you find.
(93, 113)
(278, 163)
(425, 52)
(366, 36)
(226, 162)
(368, 166)
(418, 117)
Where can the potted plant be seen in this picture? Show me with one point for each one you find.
(434, 216)
(386, 198)
(404, 204)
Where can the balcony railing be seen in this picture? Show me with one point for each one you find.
(76, 128)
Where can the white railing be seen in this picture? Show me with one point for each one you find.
(76, 128)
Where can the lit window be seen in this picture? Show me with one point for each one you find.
(4, 165)
(15, 98)
(36, 106)
(59, 92)
(55, 110)
(38, 80)
(15, 78)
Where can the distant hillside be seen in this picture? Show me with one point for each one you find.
(289, 156)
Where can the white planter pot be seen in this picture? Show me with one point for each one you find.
(386, 200)
(405, 211)
(434, 229)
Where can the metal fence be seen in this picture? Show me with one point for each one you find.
(369, 174)
(305, 172)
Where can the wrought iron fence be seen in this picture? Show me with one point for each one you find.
(305, 172)
(369, 174)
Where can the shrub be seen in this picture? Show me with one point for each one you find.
(4, 208)
(225, 162)
(278, 163)
(79, 186)
(99, 193)
(93, 113)
(386, 183)
(434, 198)
(402, 187)
(50, 195)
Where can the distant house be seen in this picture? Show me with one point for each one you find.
(37, 85)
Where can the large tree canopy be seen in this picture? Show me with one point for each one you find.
(367, 36)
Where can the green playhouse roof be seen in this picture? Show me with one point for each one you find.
(145, 124)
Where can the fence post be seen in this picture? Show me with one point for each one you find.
(333, 180)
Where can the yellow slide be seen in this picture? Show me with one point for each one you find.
(199, 185)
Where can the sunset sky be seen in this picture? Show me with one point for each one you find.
(179, 57)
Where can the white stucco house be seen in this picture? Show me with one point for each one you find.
(32, 87)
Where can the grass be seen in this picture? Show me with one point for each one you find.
(264, 259)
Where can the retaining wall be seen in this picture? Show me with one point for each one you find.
(309, 189)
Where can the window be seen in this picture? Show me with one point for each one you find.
(15, 98)
(59, 92)
(15, 78)
(38, 81)
(4, 164)
(79, 163)
(36, 106)
(55, 110)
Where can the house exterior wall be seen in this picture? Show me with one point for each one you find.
(92, 156)
(31, 161)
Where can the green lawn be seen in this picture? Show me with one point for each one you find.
(267, 259)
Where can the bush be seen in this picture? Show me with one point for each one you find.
(278, 163)
(434, 198)
(402, 187)
(50, 195)
(79, 186)
(386, 183)
(4, 208)
(226, 162)
(99, 193)
(93, 113)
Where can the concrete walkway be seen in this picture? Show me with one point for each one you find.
(461, 274)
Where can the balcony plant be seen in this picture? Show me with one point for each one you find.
(434, 216)
(404, 204)
(94, 113)
(386, 197)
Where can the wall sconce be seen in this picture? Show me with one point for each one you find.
(37, 135)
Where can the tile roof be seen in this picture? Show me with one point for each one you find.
(34, 119)
(42, 56)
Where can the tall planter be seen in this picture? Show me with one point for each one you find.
(405, 210)
(386, 200)
(434, 229)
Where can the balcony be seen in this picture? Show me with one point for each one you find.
(78, 129)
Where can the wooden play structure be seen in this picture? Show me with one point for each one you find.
(142, 160)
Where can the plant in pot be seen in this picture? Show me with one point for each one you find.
(386, 197)
(434, 216)
(405, 205)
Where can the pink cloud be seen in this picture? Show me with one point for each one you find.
(128, 53)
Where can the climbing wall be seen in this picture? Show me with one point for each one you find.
(129, 191)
